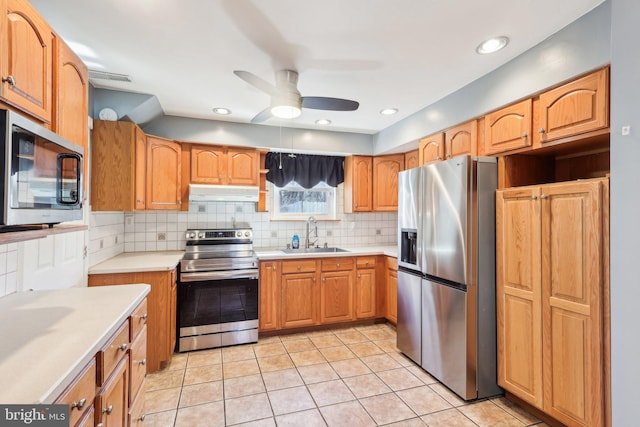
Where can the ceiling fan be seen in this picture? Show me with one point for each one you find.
(286, 101)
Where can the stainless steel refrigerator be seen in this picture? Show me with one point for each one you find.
(446, 276)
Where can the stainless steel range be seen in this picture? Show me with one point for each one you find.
(218, 289)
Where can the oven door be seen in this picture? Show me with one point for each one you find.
(214, 311)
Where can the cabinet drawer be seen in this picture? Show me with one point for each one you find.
(113, 352)
(138, 360)
(337, 264)
(88, 419)
(392, 263)
(80, 394)
(136, 410)
(299, 266)
(366, 262)
(138, 319)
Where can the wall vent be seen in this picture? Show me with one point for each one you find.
(103, 75)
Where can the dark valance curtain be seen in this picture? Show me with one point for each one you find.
(305, 169)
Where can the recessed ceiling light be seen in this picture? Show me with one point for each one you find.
(388, 111)
(492, 45)
(323, 122)
(222, 110)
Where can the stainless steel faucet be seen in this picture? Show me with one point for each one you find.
(308, 243)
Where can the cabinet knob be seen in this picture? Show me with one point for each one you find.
(314, 279)
(448, 156)
(9, 79)
(299, 267)
(524, 134)
(273, 268)
(144, 316)
(541, 130)
(108, 410)
(533, 197)
(543, 196)
(438, 158)
(324, 279)
(366, 263)
(337, 265)
(143, 362)
(142, 417)
(359, 276)
(123, 347)
(79, 405)
(138, 201)
(356, 205)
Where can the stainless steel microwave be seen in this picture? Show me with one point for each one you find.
(42, 176)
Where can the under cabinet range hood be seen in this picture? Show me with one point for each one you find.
(223, 193)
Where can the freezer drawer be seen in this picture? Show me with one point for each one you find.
(445, 338)
(409, 315)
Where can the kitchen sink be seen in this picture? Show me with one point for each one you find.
(313, 250)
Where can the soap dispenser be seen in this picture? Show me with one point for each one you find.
(295, 242)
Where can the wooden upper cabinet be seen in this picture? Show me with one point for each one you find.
(358, 184)
(461, 139)
(118, 169)
(163, 189)
(574, 108)
(26, 60)
(385, 181)
(508, 128)
(224, 165)
(411, 159)
(431, 149)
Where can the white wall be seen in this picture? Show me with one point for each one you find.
(106, 236)
(8, 268)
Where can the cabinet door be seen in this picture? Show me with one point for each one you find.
(461, 139)
(336, 297)
(242, 167)
(299, 300)
(112, 401)
(431, 149)
(392, 295)
(508, 128)
(572, 281)
(72, 104)
(577, 107)
(362, 184)
(385, 181)
(163, 174)
(27, 60)
(365, 293)
(140, 170)
(518, 293)
(138, 364)
(207, 165)
(173, 313)
(411, 159)
(269, 284)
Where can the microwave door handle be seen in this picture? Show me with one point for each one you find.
(60, 171)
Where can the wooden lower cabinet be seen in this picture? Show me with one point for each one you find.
(551, 304)
(392, 290)
(299, 305)
(162, 303)
(80, 395)
(336, 296)
(269, 293)
(112, 401)
(365, 294)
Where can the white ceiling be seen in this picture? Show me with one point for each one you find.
(405, 54)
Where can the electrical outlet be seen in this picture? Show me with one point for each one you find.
(128, 219)
(329, 233)
(378, 232)
(101, 243)
(274, 234)
(162, 236)
(626, 130)
(202, 208)
(238, 208)
(116, 240)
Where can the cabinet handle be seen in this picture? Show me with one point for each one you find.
(273, 268)
(366, 263)
(448, 156)
(524, 134)
(9, 79)
(543, 196)
(108, 410)
(359, 276)
(314, 279)
(541, 130)
(123, 347)
(138, 201)
(144, 316)
(100, 425)
(356, 205)
(299, 267)
(324, 279)
(79, 405)
(438, 158)
(143, 362)
(337, 265)
(533, 197)
(142, 417)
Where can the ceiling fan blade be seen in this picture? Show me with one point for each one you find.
(256, 81)
(262, 116)
(334, 104)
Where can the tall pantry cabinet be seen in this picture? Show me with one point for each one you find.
(552, 287)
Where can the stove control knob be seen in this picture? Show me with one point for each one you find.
(247, 233)
(200, 235)
(238, 233)
(191, 235)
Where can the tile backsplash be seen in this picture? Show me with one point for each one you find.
(159, 231)
(8, 268)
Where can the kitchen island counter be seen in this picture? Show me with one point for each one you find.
(48, 337)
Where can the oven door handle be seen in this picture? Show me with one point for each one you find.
(218, 275)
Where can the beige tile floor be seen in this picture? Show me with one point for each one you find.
(341, 377)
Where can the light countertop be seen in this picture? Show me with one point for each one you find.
(48, 337)
(133, 262)
(272, 254)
